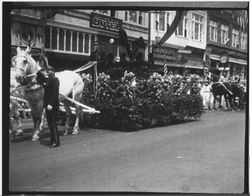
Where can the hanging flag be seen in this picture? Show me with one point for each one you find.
(178, 17)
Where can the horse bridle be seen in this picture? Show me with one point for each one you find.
(24, 69)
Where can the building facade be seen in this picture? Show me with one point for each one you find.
(69, 35)
(227, 42)
(185, 48)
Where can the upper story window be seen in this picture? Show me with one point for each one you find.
(162, 21)
(213, 31)
(141, 19)
(135, 17)
(104, 12)
(224, 34)
(235, 38)
(197, 27)
(243, 41)
(68, 41)
(182, 27)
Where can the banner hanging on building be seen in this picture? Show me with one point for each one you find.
(105, 22)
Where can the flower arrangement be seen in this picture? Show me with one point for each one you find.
(135, 104)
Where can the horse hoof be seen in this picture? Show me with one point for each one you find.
(66, 133)
(19, 132)
(35, 138)
(75, 132)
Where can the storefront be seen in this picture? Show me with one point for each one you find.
(229, 65)
(179, 60)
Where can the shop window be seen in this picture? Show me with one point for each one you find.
(197, 27)
(213, 31)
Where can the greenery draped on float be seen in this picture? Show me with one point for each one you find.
(130, 104)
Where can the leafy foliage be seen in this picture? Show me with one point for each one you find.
(130, 104)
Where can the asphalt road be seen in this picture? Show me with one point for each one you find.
(203, 156)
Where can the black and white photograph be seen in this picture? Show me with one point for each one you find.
(125, 97)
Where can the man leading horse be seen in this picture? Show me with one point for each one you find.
(70, 83)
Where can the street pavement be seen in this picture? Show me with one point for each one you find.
(202, 156)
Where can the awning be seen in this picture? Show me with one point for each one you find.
(193, 67)
(231, 59)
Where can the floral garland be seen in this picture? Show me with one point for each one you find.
(103, 86)
(128, 84)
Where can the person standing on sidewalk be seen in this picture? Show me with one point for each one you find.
(51, 105)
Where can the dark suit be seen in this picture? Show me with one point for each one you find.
(51, 92)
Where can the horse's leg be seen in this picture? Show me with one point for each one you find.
(41, 126)
(219, 107)
(78, 113)
(17, 117)
(19, 130)
(68, 115)
(77, 95)
(36, 122)
(37, 115)
(214, 101)
(76, 126)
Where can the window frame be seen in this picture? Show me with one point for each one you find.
(184, 23)
(166, 21)
(235, 38)
(138, 14)
(200, 32)
(224, 30)
(243, 41)
(213, 31)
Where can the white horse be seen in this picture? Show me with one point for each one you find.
(70, 83)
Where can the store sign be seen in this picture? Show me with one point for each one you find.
(166, 54)
(224, 58)
(184, 51)
(105, 22)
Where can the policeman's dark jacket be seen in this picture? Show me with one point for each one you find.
(51, 92)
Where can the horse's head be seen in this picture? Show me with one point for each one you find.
(24, 65)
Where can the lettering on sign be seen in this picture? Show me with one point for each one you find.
(166, 54)
(105, 22)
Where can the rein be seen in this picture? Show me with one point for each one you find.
(224, 87)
